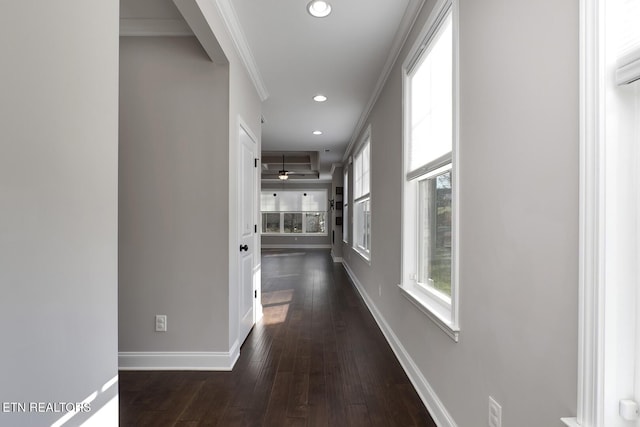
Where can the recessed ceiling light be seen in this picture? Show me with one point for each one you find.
(317, 132)
(319, 8)
(319, 98)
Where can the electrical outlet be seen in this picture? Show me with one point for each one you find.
(161, 323)
(379, 290)
(495, 413)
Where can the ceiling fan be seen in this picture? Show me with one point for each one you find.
(299, 166)
(283, 174)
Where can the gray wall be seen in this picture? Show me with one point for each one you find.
(518, 218)
(337, 179)
(58, 207)
(184, 124)
(298, 241)
(173, 196)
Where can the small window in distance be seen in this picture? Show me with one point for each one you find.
(345, 206)
(292, 223)
(362, 200)
(315, 222)
(294, 212)
(271, 222)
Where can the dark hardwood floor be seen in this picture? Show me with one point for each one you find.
(317, 358)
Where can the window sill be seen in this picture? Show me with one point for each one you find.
(366, 256)
(571, 422)
(429, 309)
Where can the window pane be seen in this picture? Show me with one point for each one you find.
(367, 225)
(434, 244)
(314, 200)
(432, 100)
(268, 201)
(361, 168)
(357, 176)
(345, 223)
(345, 188)
(292, 222)
(315, 222)
(366, 153)
(345, 208)
(271, 222)
(362, 226)
(630, 30)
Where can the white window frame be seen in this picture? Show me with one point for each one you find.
(443, 311)
(361, 199)
(346, 206)
(304, 217)
(304, 224)
(607, 296)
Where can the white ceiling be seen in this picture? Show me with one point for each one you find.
(298, 56)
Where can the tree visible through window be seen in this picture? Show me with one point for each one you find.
(434, 248)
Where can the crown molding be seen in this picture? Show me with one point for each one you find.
(136, 27)
(230, 18)
(408, 20)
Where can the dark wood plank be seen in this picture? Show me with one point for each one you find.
(358, 415)
(316, 359)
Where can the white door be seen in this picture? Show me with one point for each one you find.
(247, 234)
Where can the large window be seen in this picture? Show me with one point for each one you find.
(429, 193)
(294, 212)
(362, 200)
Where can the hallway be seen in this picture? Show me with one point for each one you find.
(316, 358)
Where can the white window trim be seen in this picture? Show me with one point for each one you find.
(363, 252)
(366, 253)
(445, 315)
(590, 405)
(598, 361)
(281, 233)
(346, 206)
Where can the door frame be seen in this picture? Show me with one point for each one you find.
(241, 125)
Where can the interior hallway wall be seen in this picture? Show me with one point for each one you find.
(518, 218)
(173, 196)
(337, 181)
(58, 208)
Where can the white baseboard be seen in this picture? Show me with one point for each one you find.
(294, 246)
(178, 360)
(336, 258)
(434, 405)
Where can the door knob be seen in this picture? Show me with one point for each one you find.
(244, 248)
